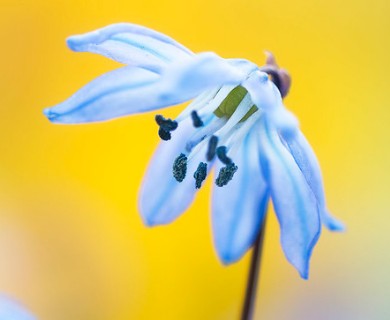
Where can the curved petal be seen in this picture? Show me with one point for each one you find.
(307, 161)
(11, 310)
(130, 90)
(243, 64)
(205, 71)
(131, 44)
(266, 96)
(294, 202)
(162, 199)
(238, 208)
(114, 94)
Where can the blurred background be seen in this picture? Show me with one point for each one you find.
(72, 244)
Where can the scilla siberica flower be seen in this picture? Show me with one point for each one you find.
(236, 122)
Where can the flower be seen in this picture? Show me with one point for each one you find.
(237, 122)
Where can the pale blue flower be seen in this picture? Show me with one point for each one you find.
(237, 122)
(12, 310)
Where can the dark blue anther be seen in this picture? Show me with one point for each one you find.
(213, 142)
(200, 174)
(166, 126)
(180, 167)
(164, 135)
(196, 120)
(226, 174)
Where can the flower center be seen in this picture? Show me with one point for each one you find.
(222, 118)
(231, 102)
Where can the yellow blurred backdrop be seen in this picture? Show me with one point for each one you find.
(72, 244)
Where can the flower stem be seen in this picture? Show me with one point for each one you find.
(253, 276)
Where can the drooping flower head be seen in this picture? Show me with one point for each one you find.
(236, 123)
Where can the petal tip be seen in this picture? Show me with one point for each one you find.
(305, 274)
(228, 257)
(337, 226)
(304, 270)
(154, 219)
(332, 223)
(52, 116)
(148, 222)
(73, 43)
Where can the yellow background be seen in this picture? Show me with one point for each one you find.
(72, 245)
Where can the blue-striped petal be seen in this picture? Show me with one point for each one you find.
(130, 90)
(162, 199)
(238, 208)
(294, 202)
(12, 310)
(114, 94)
(307, 161)
(131, 44)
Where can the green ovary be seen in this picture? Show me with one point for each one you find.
(231, 102)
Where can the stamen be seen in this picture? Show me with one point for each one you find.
(206, 131)
(199, 102)
(241, 131)
(216, 101)
(166, 126)
(242, 109)
(196, 120)
(221, 153)
(200, 174)
(180, 167)
(213, 142)
(226, 174)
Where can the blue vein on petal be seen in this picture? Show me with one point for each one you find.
(260, 207)
(300, 203)
(168, 191)
(140, 46)
(53, 115)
